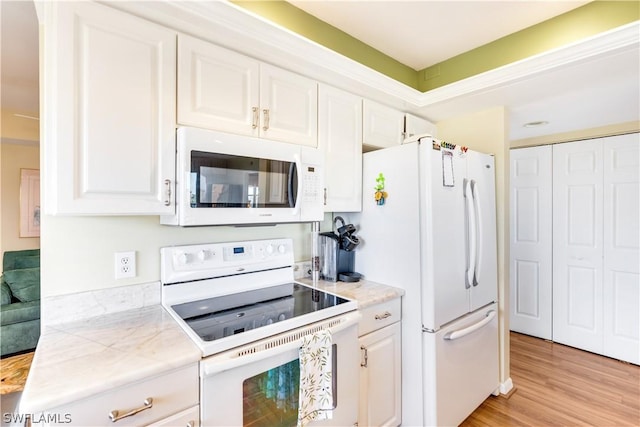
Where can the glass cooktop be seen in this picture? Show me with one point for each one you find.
(223, 316)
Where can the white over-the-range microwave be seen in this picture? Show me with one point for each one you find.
(226, 179)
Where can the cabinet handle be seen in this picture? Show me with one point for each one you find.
(382, 316)
(366, 356)
(115, 415)
(254, 123)
(167, 183)
(266, 119)
(191, 423)
(325, 196)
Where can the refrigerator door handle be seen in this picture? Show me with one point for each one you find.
(472, 245)
(454, 335)
(478, 220)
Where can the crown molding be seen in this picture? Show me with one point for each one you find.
(235, 28)
(606, 43)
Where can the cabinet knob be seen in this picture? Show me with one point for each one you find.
(265, 125)
(115, 414)
(383, 316)
(167, 183)
(254, 123)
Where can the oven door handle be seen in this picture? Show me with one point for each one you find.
(226, 361)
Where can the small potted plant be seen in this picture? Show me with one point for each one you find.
(380, 194)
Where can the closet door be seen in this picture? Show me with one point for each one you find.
(531, 235)
(621, 244)
(578, 245)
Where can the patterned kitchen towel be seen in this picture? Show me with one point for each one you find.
(315, 400)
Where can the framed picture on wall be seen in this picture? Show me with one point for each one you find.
(29, 203)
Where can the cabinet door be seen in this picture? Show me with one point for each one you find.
(340, 136)
(621, 244)
(577, 245)
(531, 236)
(109, 111)
(415, 126)
(381, 126)
(380, 377)
(187, 418)
(288, 106)
(217, 88)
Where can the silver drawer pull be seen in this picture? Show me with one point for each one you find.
(115, 415)
(191, 423)
(383, 316)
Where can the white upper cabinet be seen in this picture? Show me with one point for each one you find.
(340, 136)
(382, 126)
(223, 90)
(108, 111)
(415, 126)
(217, 88)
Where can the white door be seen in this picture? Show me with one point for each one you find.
(340, 137)
(109, 97)
(217, 88)
(578, 244)
(380, 372)
(382, 126)
(445, 236)
(621, 243)
(481, 171)
(415, 126)
(461, 368)
(288, 106)
(531, 235)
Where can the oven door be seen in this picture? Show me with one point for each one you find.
(257, 385)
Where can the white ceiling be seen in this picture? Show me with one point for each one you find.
(422, 33)
(584, 95)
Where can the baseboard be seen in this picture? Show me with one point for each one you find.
(506, 386)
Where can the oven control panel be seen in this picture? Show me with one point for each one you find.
(204, 261)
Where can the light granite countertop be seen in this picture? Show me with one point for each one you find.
(367, 293)
(76, 360)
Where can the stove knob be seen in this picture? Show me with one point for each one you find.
(184, 258)
(281, 317)
(269, 321)
(269, 249)
(204, 255)
(282, 249)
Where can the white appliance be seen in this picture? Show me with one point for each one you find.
(435, 237)
(238, 302)
(223, 178)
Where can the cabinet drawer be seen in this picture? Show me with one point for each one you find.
(171, 393)
(379, 315)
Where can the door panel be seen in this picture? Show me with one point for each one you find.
(481, 170)
(445, 252)
(531, 235)
(621, 247)
(578, 245)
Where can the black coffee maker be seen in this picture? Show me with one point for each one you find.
(336, 251)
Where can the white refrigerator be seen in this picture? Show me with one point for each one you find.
(435, 237)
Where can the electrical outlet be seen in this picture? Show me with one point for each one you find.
(125, 264)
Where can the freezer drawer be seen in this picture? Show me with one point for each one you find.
(461, 367)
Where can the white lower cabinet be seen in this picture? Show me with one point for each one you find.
(380, 365)
(168, 399)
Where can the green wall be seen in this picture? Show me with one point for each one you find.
(580, 23)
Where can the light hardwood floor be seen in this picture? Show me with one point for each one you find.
(556, 385)
(13, 372)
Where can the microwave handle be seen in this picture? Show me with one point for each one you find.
(295, 165)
